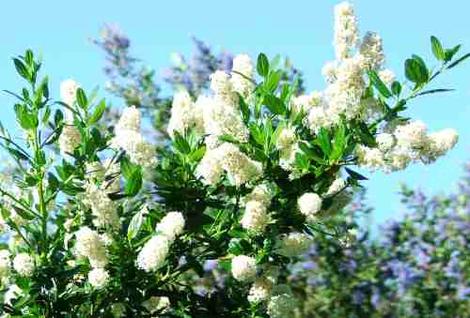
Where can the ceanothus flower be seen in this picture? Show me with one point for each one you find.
(243, 268)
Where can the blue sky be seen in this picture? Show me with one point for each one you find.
(61, 31)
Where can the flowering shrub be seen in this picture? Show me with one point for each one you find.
(416, 267)
(137, 86)
(252, 174)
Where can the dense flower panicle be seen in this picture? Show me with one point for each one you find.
(387, 76)
(346, 32)
(171, 225)
(103, 209)
(90, 245)
(222, 118)
(407, 143)
(69, 139)
(256, 217)
(260, 290)
(23, 263)
(221, 84)
(244, 268)
(309, 204)
(98, 277)
(282, 304)
(293, 244)
(227, 157)
(185, 114)
(128, 137)
(130, 119)
(156, 304)
(153, 254)
(372, 51)
(68, 91)
(242, 84)
(260, 193)
(306, 102)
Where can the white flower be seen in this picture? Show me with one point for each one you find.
(335, 187)
(90, 245)
(171, 225)
(228, 157)
(346, 32)
(440, 143)
(282, 305)
(260, 290)
(98, 277)
(243, 268)
(118, 310)
(329, 71)
(309, 204)
(221, 84)
(222, 117)
(11, 294)
(260, 193)
(69, 139)
(387, 76)
(371, 158)
(294, 244)
(153, 254)
(286, 138)
(411, 135)
(385, 141)
(130, 119)
(305, 102)
(23, 263)
(154, 304)
(185, 114)
(256, 217)
(242, 64)
(372, 51)
(68, 91)
(103, 209)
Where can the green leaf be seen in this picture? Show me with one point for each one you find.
(133, 184)
(437, 49)
(97, 113)
(339, 143)
(396, 88)
(244, 108)
(450, 53)
(355, 175)
(135, 225)
(81, 98)
(379, 85)
(324, 142)
(29, 57)
(416, 71)
(434, 91)
(458, 61)
(273, 81)
(21, 69)
(25, 118)
(274, 104)
(262, 66)
(180, 143)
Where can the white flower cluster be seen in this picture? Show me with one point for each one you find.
(346, 35)
(128, 137)
(153, 254)
(185, 114)
(107, 174)
(242, 73)
(227, 157)
(103, 209)
(405, 144)
(256, 216)
(293, 244)
(309, 204)
(287, 145)
(244, 268)
(156, 304)
(89, 244)
(98, 277)
(282, 304)
(70, 137)
(263, 286)
(219, 114)
(23, 263)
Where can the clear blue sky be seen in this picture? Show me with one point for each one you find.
(61, 30)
